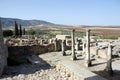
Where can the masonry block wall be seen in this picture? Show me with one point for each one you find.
(19, 54)
(3, 52)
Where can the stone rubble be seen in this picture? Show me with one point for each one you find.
(52, 73)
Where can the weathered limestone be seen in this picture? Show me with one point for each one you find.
(55, 43)
(109, 60)
(83, 47)
(87, 58)
(76, 44)
(50, 41)
(3, 52)
(63, 47)
(63, 37)
(73, 45)
(20, 42)
(68, 42)
(42, 41)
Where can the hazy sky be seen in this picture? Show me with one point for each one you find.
(73, 12)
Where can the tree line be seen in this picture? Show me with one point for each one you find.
(17, 32)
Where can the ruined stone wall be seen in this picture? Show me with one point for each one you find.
(19, 54)
(3, 52)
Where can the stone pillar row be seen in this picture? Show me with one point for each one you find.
(86, 50)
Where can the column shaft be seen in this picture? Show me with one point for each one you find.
(73, 45)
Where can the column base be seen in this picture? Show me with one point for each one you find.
(74, 58)
(109, 71)
(64, 54)
(88, 63)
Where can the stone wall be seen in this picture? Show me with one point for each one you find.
(19, 54)
(3, 52)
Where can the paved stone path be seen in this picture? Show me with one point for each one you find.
(98, 65)
(76, 67)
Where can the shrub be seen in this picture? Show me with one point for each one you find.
(7, 33)
(31, 32)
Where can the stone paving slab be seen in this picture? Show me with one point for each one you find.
(74, 66)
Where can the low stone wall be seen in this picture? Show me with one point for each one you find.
(19, 54)
(100, 52)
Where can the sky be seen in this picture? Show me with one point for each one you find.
(68, 12)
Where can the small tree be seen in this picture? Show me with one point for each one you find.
(20, 30)
(7, 33)
(16, 29)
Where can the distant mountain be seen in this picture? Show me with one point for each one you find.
(9, 22)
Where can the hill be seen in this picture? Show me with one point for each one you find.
(9, 22)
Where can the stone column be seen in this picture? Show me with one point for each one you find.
(73, 45)
(109, 61)
(63, 47)
(87, 58)
(55, 43)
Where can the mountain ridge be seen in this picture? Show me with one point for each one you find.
(9, 22)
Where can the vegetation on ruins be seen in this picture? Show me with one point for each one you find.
(7, 33)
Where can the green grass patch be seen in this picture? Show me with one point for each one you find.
(108, 37)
